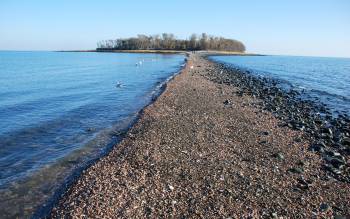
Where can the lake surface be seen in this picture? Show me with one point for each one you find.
(325, 80)
(59, 111)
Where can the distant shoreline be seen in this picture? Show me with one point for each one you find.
(127, 51)
(207, 52)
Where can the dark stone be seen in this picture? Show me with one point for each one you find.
(297, 140)
(333, 170)
(301, 163)
(304, 184)
(296, 170)
(337, 163)
(346, 141)
(317, 148)
(227, 102)
(327, 131)
(339, 217)
(325, 207)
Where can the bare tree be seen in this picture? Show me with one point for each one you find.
(193, 42)
(204, 41)
(168, 41)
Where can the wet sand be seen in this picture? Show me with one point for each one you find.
(202, 151)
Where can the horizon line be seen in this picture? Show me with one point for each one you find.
(94, 50)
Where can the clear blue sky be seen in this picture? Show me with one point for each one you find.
(296, 27)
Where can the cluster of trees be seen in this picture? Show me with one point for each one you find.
(168, 41)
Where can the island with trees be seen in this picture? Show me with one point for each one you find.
(168, 42)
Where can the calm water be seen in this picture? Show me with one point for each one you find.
(323, 79)
(60, 110)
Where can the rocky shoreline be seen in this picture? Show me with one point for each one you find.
(220, 143)
(329, 135)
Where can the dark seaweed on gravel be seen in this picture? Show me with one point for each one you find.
(330, 136)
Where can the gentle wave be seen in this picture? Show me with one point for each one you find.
(60, 111)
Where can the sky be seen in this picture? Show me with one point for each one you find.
(288, 27)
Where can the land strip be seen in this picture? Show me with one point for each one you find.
(203, 151)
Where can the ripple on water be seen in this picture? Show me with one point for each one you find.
(61, 111)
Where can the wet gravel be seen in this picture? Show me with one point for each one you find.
(213, 146)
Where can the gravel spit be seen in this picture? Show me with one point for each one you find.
(203, 151)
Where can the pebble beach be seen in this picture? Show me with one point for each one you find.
(208, 148)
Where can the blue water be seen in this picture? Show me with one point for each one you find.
(60, 109)
(326, 80)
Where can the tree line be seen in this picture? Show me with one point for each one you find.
(168, 41)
